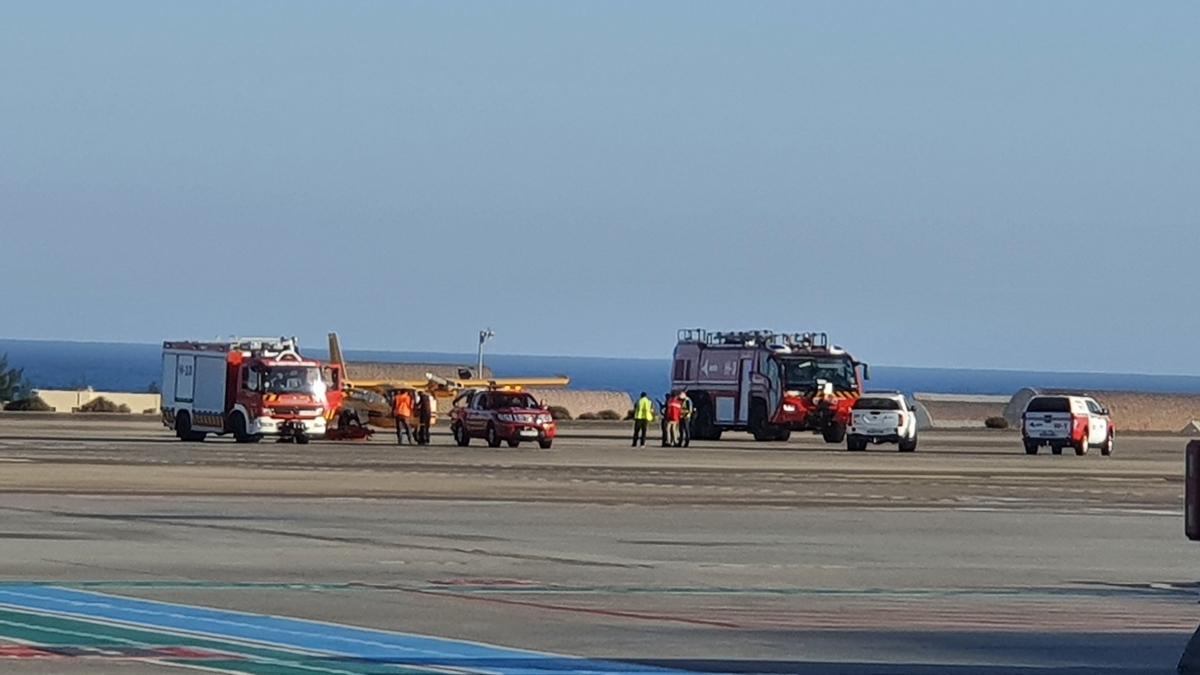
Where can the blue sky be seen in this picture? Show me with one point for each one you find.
(1008, 184)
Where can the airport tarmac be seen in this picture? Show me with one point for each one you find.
(966, 557)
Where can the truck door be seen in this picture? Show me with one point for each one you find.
(744, 388)
(1097, 424)
(185, 378)
(774, 385)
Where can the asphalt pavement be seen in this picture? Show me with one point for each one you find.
(965, 557)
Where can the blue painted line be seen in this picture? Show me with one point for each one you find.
(310, 636)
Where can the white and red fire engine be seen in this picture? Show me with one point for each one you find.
(248, 387)
(767, 383)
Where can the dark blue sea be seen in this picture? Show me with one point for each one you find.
(135, 367)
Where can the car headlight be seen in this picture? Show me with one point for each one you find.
(544, 419)
(788, 407)
(503, 417)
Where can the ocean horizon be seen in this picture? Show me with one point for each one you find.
(135, 367)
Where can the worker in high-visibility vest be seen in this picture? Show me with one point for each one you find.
(685, 421)
(643, 415)
(402, 409)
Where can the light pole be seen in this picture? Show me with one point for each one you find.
(484, 336)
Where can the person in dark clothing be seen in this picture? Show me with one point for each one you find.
(424, 418)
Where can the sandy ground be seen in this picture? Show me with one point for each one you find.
(967, 557)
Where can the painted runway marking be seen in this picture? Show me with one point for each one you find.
(255, 643)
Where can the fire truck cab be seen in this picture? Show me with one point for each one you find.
(248, 387)
(767, 383)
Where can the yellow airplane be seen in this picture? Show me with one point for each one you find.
(371, 399)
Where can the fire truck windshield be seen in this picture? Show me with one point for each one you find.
(803, 373)
(293, 380)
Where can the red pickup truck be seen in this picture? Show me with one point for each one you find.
(497, 415)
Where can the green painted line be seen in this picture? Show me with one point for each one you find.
(53, 631)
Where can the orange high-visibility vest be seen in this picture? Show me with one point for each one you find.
(403, 405)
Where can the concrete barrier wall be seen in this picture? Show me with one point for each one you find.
(65, 400)
(579, 402)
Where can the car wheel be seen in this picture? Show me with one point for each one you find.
(1081, 447)
(1031, 448)
(545, 443)
(908, 445)
(1107, 448)
(493, 439)
(461, 437)
(514, 444)
(302, 439)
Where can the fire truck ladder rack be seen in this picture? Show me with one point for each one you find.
(268, 347)
(755, 338)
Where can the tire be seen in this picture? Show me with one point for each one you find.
(493, 439)
(461, 437)
(1031, 448)
(1081, 447)
(302, 439)
(856, 444)
(514, 444)
(784, 435)
(545, 443)
(183, 429)
(1107, 448)
(908, 445)
(834, 433)
(759, 426)
(238, 426)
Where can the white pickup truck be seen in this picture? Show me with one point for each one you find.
(1078, 422)
(882, 417)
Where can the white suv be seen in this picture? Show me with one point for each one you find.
(882, 417)
(1061, 421)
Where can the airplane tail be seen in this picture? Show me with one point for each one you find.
(335, 351)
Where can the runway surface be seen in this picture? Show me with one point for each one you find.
(124, 550)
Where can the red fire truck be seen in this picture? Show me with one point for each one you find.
(248, 387)
(767, 383)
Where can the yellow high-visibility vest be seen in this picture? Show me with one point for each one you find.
(645, 410)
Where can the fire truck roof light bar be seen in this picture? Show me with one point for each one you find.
(765, 338)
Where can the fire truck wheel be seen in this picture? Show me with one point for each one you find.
(183, 429)
(834, 433)
(493, 439)
(460, 436)
(1107, 448)
(238, 426)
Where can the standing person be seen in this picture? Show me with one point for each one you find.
(402, 409)
(424, 418)
(664, 424)
(673, 413)
(643, 415)
(685, 421)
